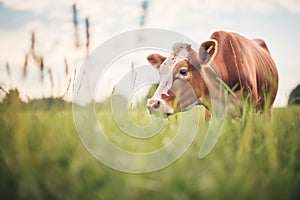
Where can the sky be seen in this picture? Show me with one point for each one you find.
(275, 21)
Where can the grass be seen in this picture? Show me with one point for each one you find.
(41, 157)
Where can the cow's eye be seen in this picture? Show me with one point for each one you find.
(183, 72)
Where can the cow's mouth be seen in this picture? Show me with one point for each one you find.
(159, 108)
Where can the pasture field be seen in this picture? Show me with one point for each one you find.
(42, 157)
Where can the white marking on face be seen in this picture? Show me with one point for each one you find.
(180, 53)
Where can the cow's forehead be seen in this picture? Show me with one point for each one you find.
(180, 52)
(181, 49)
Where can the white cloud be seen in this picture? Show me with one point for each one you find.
(131, 7)
(36, 6)
(211, 7)
(292, 6)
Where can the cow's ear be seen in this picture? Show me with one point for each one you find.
(208, 51)
(155, 60)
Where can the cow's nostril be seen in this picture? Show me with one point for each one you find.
(156, 105)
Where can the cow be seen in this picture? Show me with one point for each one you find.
(187, 77)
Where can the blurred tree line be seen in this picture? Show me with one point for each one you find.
(294, 97)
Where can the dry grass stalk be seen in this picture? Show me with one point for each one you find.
(42, 68)
(66, 67)
(67, 90)
(9, 73)
(42, 64)
(113, 90)
(75, 23)
(74, 78)
(144, 14)
(25, 66)
(87, 33)
(32, 46)
(83, 74)
(133, 75)
(51, 81)
(38, 59)
(8, 69)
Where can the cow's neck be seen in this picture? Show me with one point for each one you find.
(201, 90)
(208, 85)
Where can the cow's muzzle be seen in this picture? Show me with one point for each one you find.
(153, 105)
(158, 106)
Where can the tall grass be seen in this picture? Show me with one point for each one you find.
(41, 157)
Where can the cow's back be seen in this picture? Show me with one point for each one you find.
(246, 64)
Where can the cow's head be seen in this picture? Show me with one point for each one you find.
(181, 83)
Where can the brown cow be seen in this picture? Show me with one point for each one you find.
(245, 66)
